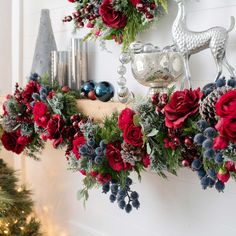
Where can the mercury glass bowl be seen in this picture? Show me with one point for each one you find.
(156, 68)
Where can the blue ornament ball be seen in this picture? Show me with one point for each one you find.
(104, 91)
(87, 87)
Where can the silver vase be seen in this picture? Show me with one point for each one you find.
(44, 45)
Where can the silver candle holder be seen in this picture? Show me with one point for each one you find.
(60, 67)
(78, 61)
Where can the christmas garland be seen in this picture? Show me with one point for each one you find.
(120, 20)
(195, 129)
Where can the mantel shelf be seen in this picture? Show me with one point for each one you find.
(95, 109)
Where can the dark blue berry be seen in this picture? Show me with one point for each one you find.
(129, 181)
(220, 82)
(121, 204)
(83, 150)
(210, 132)
(196, 164)
(128, 208)
(35, 96)
(98, 160)
(199, 139)
(219, 158)
(207, 144)
(136, 203)
(112, 198)
(99, 151)
(43, 90)
(220, 186)
(120, 198)
(134, 195)
(43, 97)
(114, 188)
(91, 142)
(202, 125)
(232, 82)
(212, 174)
(102, 144)
(205, 182)
(122, 192)
(201, 173)
(106, 188)
(211, 182)
(209, 153)
(34, 77)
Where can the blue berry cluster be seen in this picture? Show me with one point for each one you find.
(124, 196)
(95, 153)
(34, 77)
(218, 84)
(205, 139)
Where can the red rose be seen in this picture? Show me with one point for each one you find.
(220, 143)
(125, 118)
(79, 141)
(31, 87)
(133, 135)
(135, 2)
(41, 115)
(146, 161)
(54, 128)
(114, 157)
(226, 105)
(9, 141)
(181, 106)
(227, 128)
(111, 17)
(24, 140)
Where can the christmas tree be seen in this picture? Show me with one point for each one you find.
(16, 215)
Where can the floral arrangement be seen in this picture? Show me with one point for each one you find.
(194, 129)
(120, 20)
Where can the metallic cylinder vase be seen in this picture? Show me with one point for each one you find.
(78, 63)
(60, 67)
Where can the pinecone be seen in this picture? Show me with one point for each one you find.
(131, 154)
(207, 107)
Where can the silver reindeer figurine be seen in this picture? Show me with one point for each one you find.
(188, 42)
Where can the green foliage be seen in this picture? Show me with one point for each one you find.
(110, 130)
(163, 3)
(15, 206)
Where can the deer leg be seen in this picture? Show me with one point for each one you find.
(229, 68)
(187, 79)
(219, 63)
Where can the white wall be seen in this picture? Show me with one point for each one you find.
(5, 46)
(175, 207)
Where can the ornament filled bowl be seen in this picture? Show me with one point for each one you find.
(155, 68)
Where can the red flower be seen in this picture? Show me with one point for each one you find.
(146, 161)
(9, 141)
(103, 178)
(125, 118)
(31, 87)
(135, 2)
(72, 1)
(133, 135)
(220, 143)
(111, 17)
(24, 140)
(182, 105)
(79, 141)
(227, 128)
(54, 128)
(223, 175)
(41, 115)
(226, 105)
(230, 166)
(114, 157)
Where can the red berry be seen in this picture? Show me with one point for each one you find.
(91, 95)
(65, 89)
(188, 142)
(185, 163)
(153, 5)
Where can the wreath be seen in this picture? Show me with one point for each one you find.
(194, 129)
(119, 20)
